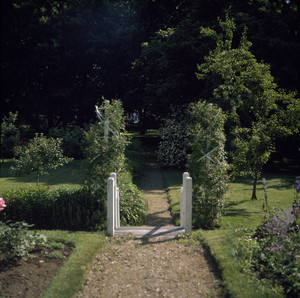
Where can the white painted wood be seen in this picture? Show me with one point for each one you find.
(110, 206)
(183, 199)
(116, 201)
(188, 204)
(181, 207)
(118, 207)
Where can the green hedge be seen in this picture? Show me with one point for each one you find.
(61, 208)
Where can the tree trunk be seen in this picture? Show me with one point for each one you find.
(38, 179)
(254, 197)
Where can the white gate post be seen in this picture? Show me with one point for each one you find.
(182, 199)
(116, 201)
(188, 204)
(110, 206)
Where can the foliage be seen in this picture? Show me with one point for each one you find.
(132, 202)
(273, 251)
(9, 135)
(72, 140)
(16, 240)
(173, 146)
(61, 208)
(41, 155)
(245, 89)
(207, 164)
(105, 145)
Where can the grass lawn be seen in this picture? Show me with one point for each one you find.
(70, 275)
(242, 215)
(67, 175)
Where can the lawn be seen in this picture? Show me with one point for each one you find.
(67, 175)
(242, 215)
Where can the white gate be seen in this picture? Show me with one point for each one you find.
(113, 208)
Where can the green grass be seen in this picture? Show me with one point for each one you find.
(241, 217)
(70, 276)
(67, 175)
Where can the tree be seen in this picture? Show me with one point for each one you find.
(245, 89)
(38, 157)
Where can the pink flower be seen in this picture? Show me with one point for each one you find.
(2, 204)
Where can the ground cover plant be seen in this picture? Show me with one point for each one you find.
(241, 219)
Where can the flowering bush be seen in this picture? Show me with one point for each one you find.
(172, 149)
(2, 204)
(207, 164)
(274, 250)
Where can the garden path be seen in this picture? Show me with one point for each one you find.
(158, 213)
(152, 267)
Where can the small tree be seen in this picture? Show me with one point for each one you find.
(41, 155)
(9, 135)
(207, 164)
(258, 112)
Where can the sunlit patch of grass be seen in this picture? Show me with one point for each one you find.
(70, 276)
(67, 175)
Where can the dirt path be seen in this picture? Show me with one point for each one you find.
(155, 267)
(158, 213)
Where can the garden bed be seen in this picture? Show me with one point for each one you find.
(31, 277)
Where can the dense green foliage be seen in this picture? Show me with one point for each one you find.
(39, 156)
(62, 208)
(72, 140)
(105, 145)
(61, 55)
(273, 250)
(258, 112)
(16, 240)
(10, 135)
(173, 146)
(207, 164)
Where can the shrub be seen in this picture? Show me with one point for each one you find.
(105, 145)
(132, 202)
(273, 251)
(73, 140)
(30, 204)
(16, 240)
(172, 149)
(9, 135)
(61, 208)
(207, 164)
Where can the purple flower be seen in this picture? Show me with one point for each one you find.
(262, 256)
(264, 181)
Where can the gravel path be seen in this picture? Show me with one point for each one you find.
(155, 267)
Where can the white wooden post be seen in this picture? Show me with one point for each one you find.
(110, 206)
(182, 198)
(118, 207)
(116, 201)
(188, 204)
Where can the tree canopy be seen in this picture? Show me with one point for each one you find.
(59, 57)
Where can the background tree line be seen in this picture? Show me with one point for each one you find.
(59, 57)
